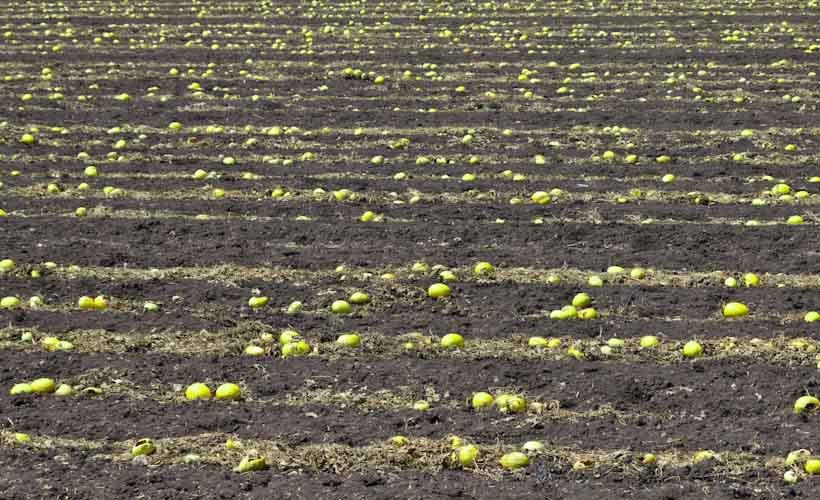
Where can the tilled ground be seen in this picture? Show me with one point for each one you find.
(269, 112)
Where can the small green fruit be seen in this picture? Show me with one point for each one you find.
(341, 307)
(288, 336)
(254, 350)
(359, 298)
(144, 446)
(812, 466)
(588, 313)
(649, 341)
(50, 343)
(100, 302)
(228, 391)
(533, 446)
(349, 340)
(751, 279)
(797, 457)
(581, 300)
(438, 290)
(482, 400)
(467, 455)
(257, 302)
(64, 390)
(249, 464)
(197, 391)
(295, 349)
(514, 460)
(575, 353)
(804, 403)
(419, 267)
(452, 340)
(9, 303)
(692, 349)
(515, 404)
(448, 276)
(735, 310)
(42, 386)
(566, 312)
(20, 389)
(483, 268)
(537, 342)
(399, 441)
(501, 400)
(615, 342)
(781, 189)
(637, 273)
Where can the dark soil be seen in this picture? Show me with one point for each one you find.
(325, 244)
(729, 405)
(80, 476)
(740, 404)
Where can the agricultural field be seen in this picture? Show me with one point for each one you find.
(416, 250)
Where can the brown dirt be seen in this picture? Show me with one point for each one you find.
(738, 404)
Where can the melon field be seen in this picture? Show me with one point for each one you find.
(559, 250)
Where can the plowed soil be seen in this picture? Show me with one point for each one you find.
(673, 78)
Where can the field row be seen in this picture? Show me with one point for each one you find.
(327, 244)
(800, 207)
(567, 401)
(351, 277)
(591, 217)
(416, 454)
(209, 480)
(433, 172)
(664, 348)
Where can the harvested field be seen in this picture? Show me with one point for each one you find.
(613, 206)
